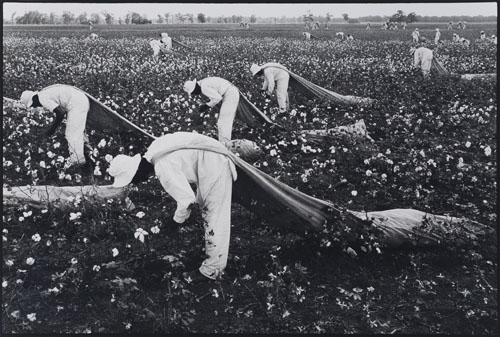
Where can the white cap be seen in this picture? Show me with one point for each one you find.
(27, 97)
(416, 28)
(123, 169)
(164, 34)
(189, 86)
(255, 69)
(437, 29)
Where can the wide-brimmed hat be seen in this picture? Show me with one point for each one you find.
(27, 97)
(123, 168)
(255, 69)
(189, 86)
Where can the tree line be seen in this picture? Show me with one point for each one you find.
(35, 17)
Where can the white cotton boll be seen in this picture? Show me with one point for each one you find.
(487, 151)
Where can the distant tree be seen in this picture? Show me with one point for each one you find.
(191, 18)
(128, 18)
(120, 21)
(82, 18)
(201, 18)
(67, 17)
(398, 17)
(345, 17)
(95, 18)
(12, 17)
(328, 17)
(44, 19)
(160, 19)
(108, 17)
(253, 18)
(30, 18)
(53, 18)
(138, 19)
(167, 15)
(412, 17)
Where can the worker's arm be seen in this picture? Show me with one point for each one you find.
(212, 94)
(269, 80)
(177, 186)
(58, 120)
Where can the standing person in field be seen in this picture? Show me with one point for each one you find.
(308, 36)
(403, 24)
(340, 35)
(90, 25)
(483, 35)
(273, 77)
(166, 41)
(368, 26)
(450, 25)
(437, 37)
(422, 58)
(64, 100)
(415, 35)
(176, 168)
(217, 89)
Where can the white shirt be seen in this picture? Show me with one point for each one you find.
(421, 55)
(178, 169)
(271, 75)
(167, 42)
(214, 88)
(60, 95)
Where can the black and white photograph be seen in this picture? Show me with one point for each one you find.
(249, 168)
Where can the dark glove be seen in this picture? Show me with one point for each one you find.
(203, 108)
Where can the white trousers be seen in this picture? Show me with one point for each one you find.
(227, 114)
(282, 92)
(216, 198)
(75, 129)
(155, 45)
(426, 66)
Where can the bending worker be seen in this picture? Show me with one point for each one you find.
(271, 76)
(177, 167)
(217, 89)
(422, 58)
(62, 100)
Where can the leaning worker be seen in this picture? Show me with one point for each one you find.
(422, 58)
(64, 100)
(177, 167)
(217, 89)
(166, 41)
(273, 76)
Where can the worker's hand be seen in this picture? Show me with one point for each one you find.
(203, 108)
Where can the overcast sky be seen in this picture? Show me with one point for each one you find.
(262, 10)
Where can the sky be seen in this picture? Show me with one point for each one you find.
(261, 9)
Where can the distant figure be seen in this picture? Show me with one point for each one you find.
(464, 42)
(483, 35)
(90, 25)
(350, 37)
(93, 36)
(368, 26)
(383, 26)
(494, 39)
(456, 38)
(404, 25)
(340, 35)
(422, 58)
(327, 25)
(437, 37)
(464, 24)
(316, 26)
(415, 35)
(450, 25)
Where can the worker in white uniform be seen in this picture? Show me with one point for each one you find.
(217, 89)
(482, 36)
(273, 77)
(64, 99)
(166, 41)
(340, 35)
(437, 37)
(422, 58)
(415, 35)
(212, 173)
(307, 35)
(157, 45)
